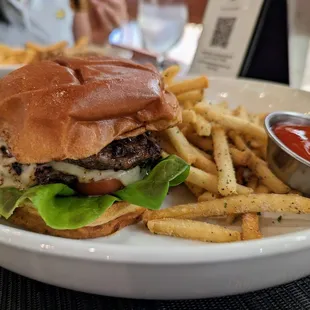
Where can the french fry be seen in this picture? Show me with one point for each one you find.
(240, 175)
(255, 119)
(223, 105)
(227, 184)
(170, 73)
(54, 47)
(204, 143)
(29, 56)
(230, 122)
(188, 104)
(204, 154)
(260, 168)
(250, 221)
(230, 218)
(250, 226)
(34, 46)
(188, 85)
(166, 145)
(81, 42)
(196, 190)
(180, 143)
(253, 182)
(202, 126)
(239, 158)
(262, 117)
(193, 230)
(239, 204)
(241, 112)
(203, 162)
(207, 196)
(192, 96)
(262, 189)
(238, 141)
(209, 181)
(189, 116)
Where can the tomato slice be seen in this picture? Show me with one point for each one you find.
(101, 187)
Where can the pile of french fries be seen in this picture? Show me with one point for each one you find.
(33, 52)
(229, 174)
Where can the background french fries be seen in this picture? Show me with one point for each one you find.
(34, 52)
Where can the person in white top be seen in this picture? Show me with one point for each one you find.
(50, 21)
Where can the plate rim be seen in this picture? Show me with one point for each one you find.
(134, 254)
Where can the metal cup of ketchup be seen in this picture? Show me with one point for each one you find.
(288, 151)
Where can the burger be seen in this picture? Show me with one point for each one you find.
(77, 153)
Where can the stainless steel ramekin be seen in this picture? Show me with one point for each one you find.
(292, 169)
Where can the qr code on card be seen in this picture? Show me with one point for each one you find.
(222, 32)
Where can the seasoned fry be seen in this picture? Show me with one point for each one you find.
(189, 116)
(239, 158)
(262, 189)
(240, 175)
(206, 196)
(223, 105)
(238, 141)
(204, 154)
(253, 182)
(170, 73)
(252, 203)
(227, 184)
(260, 168)
(192, 96)
(188, 85)
(193, 230)
(181, 144)
(255, 120)
(82, 42)
(209, 181)
(196, 190)
(202, 126)
(250, 226)
(188, 104)
(34, 46)
(241, 112)
(230, 218)
(231, 122)
(204, 143)
(203, 162)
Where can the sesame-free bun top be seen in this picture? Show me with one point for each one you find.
(74, 107)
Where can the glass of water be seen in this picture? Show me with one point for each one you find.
(162, 24)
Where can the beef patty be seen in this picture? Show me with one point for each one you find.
(122, 154)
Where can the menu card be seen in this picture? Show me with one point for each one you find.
(228, 28)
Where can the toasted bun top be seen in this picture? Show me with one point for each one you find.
(74, 107)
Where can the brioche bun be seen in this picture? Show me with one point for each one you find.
(74, 107)
(118, 216)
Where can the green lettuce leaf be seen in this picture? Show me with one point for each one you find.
(60, 208)
(152, 190)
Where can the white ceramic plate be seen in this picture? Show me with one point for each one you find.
(133, 263)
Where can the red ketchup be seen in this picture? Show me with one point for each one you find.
(295, 137)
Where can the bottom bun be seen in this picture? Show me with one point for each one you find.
(118, 216)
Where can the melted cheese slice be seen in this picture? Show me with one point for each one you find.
(86, 175)
(9, 177)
